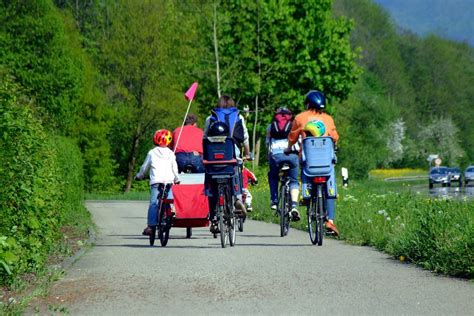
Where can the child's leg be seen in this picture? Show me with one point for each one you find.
(248, 198)
(152, 209)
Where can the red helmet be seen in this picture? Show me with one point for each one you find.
(162, 138)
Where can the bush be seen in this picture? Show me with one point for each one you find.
(41, 178)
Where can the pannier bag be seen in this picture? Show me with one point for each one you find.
(219, 155)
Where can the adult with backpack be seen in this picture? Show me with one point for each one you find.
(276, 142)
(226, 114)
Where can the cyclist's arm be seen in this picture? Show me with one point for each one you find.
(294, 133)
(332, 131)
(206, 126)
(246, 137)
(145, 167)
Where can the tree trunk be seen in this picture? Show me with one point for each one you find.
(257, 153)
(216, 52)
(254, 135)
(132, 162)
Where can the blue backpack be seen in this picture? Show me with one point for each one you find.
(231, 117)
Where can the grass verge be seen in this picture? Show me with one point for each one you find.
(16, 297)
(437, 234)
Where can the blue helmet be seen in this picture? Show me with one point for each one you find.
(315, 100)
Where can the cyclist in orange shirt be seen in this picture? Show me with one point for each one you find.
(315, 104)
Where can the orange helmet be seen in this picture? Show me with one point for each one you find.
(162, 138)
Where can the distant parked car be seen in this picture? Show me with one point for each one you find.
(456, 175)
(469, 175)
(439, 175)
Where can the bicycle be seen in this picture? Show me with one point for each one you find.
(318, 157)
(284, 199)
(164, 217)
(220, 166)
(241, 219)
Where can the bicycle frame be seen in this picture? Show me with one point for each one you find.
(284, 203)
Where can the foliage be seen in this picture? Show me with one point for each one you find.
(42, 50)
(41, 182)
(272, 53)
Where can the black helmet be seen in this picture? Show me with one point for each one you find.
(218, 129)
(315, 100)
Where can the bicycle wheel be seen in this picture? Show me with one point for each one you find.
(232, 222)
(320, 216)
(240, 224)
(164, 225)
(312, 220)
(222, 228)
(283, 212)
(164, 234)
(153, 235)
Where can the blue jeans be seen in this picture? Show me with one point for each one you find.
(156, 190)
(183, 159)
(273, 178)
(330, 203)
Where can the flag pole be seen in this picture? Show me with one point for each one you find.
(182, 125)
(189, 95)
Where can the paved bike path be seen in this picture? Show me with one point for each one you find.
(262, 274)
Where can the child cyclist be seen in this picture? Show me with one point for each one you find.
(161, 163)
(248, 177)
(315, 104)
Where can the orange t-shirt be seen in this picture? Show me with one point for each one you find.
(304, 117)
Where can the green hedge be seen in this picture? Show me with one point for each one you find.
(40, 181)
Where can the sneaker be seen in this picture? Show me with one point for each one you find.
(304, 202)
(295, 215)
(249, 208)
(274, 206)
(147, 231)
(214, 228)
(331, 228)
(240, 208)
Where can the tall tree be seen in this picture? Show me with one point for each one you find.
(272, 52)
(144, 53)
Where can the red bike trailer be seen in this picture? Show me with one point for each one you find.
(190, 203)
